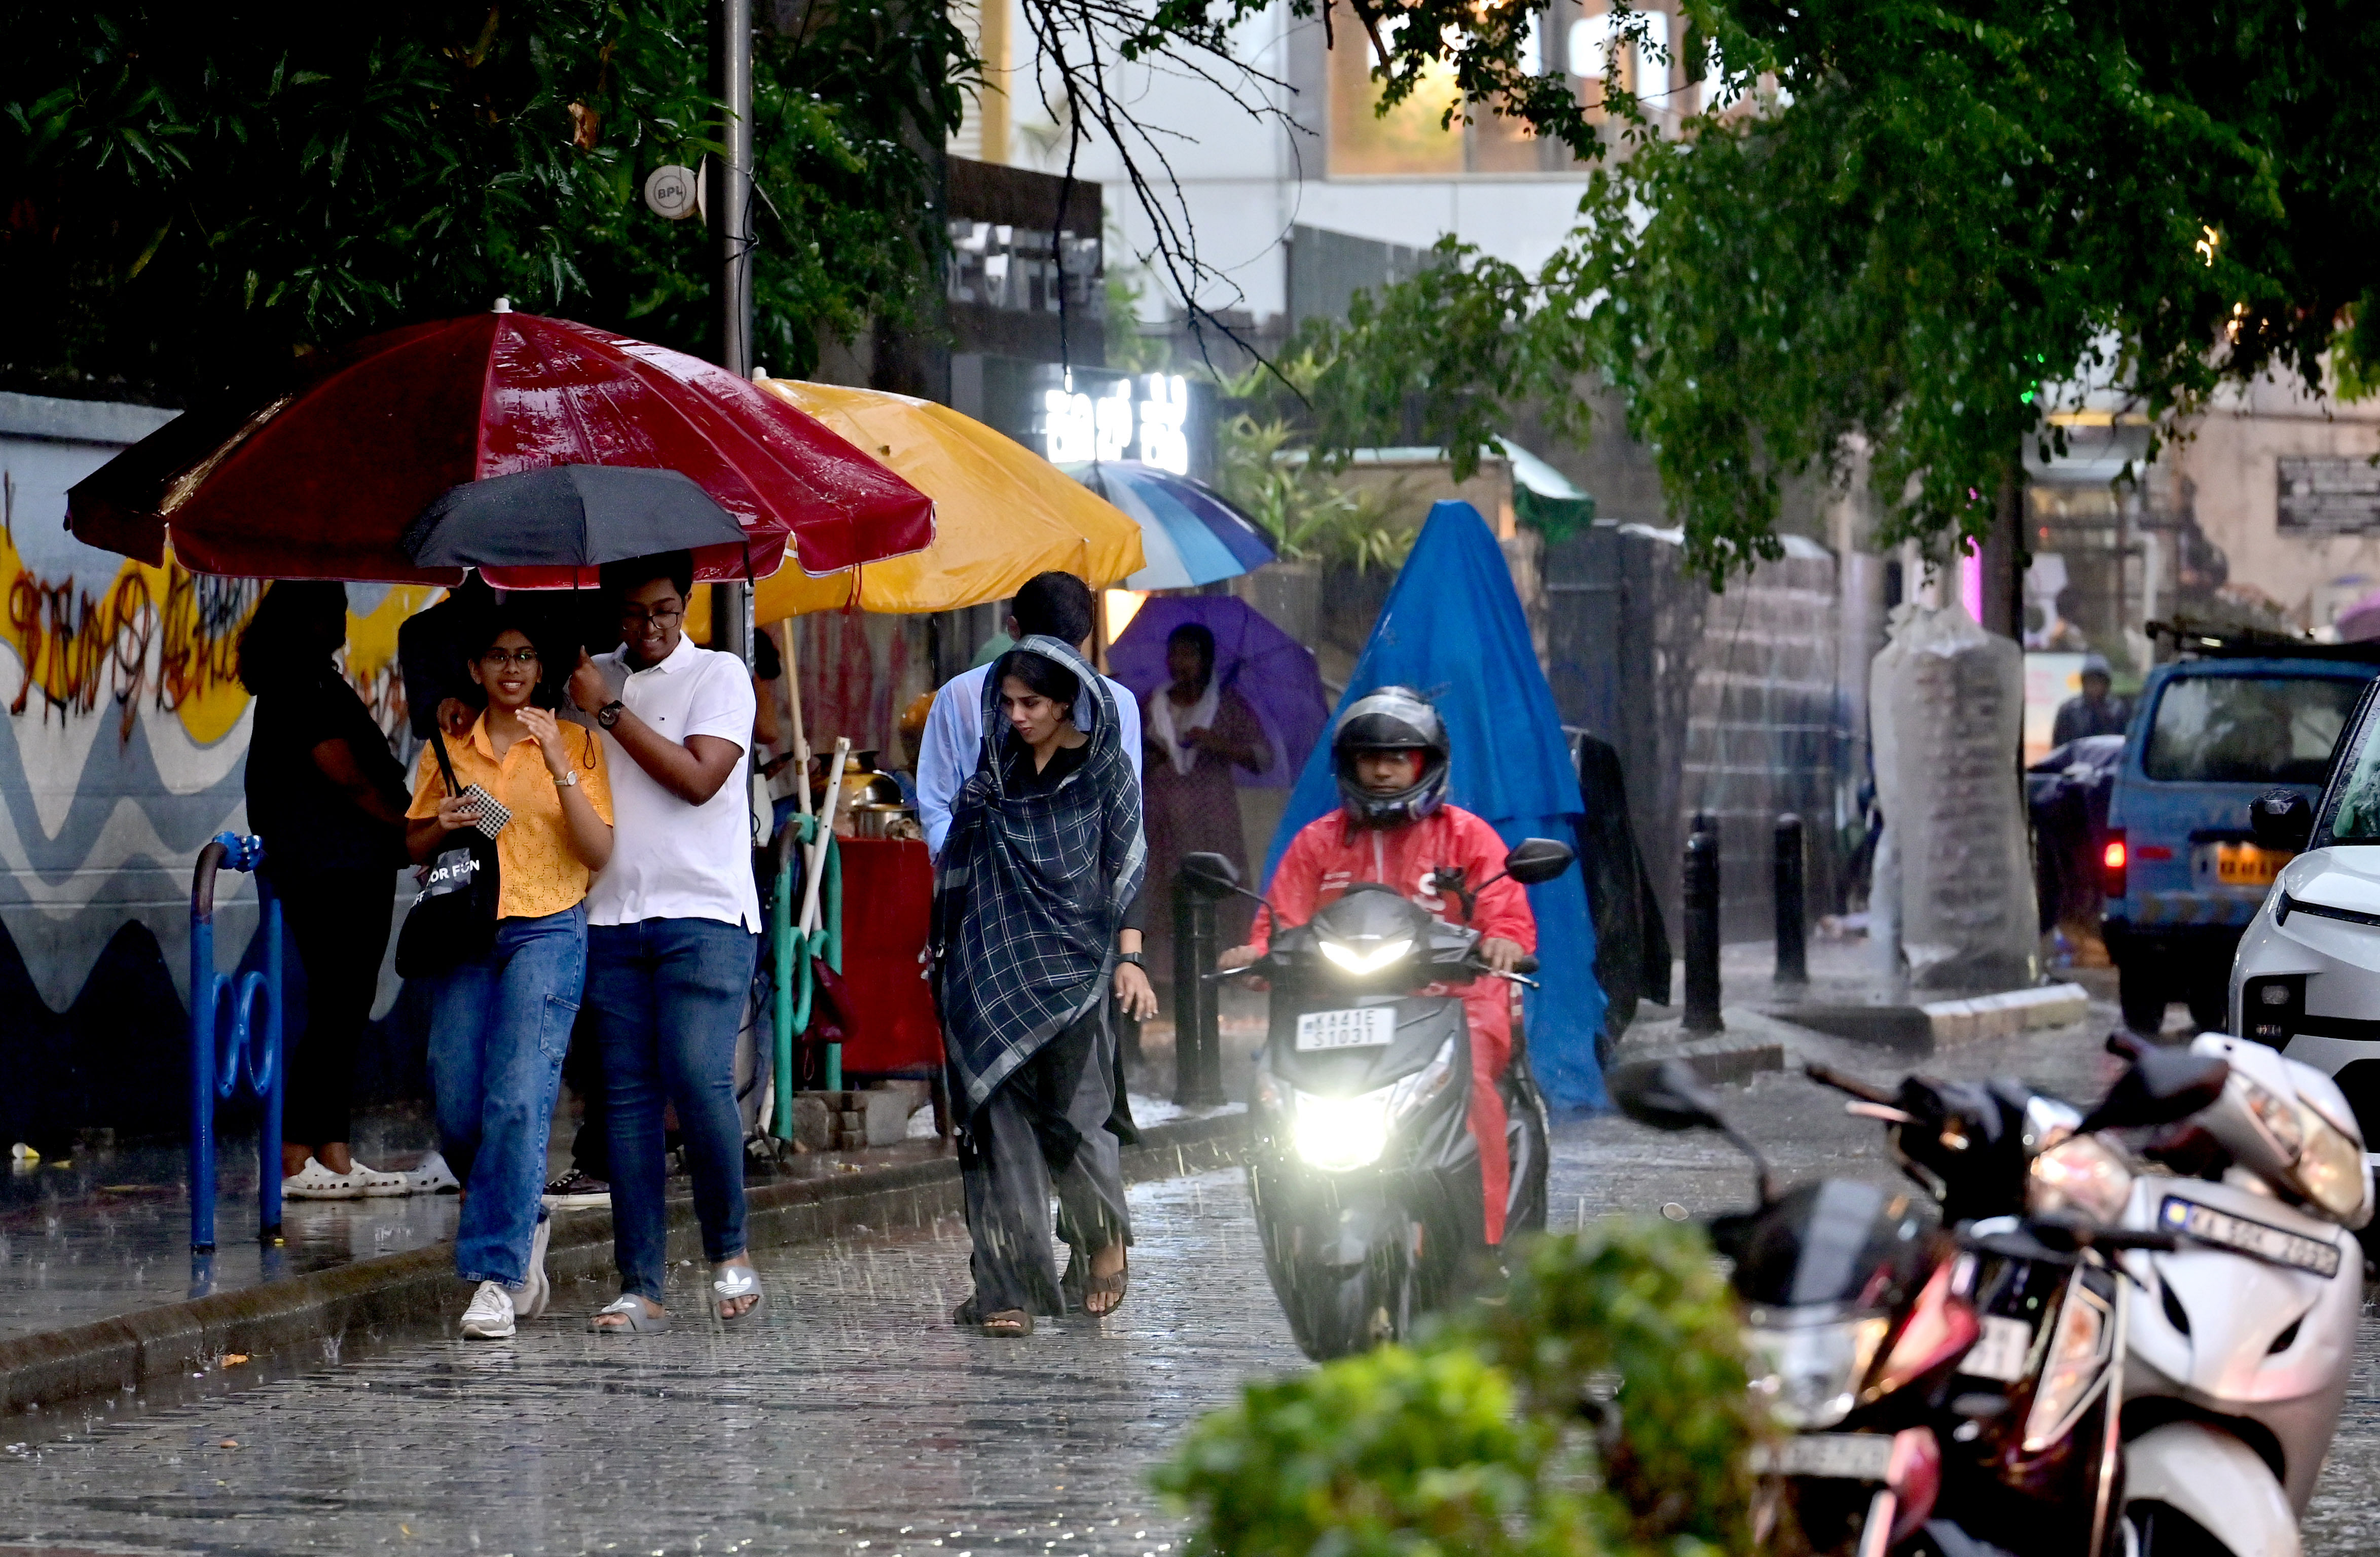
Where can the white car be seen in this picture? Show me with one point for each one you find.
(2306, 980)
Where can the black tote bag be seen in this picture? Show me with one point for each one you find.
(453, 920)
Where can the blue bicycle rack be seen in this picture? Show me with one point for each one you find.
(225, 1041)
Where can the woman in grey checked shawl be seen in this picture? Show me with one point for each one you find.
(1040, 874)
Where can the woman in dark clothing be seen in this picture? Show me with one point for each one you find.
(328, 798)
(1198, 735)
(1033, 934)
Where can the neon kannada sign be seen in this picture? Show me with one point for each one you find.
(1146, 419)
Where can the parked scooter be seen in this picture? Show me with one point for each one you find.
(2239, 1343)
(1365, 1179)
(1997, 1387)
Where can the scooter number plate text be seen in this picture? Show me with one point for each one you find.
(1368, 1027)
(2280, 1246)
(2001, 1351)
(1838, 1456)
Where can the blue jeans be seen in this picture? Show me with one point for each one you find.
(667, 997)
(499, 1029)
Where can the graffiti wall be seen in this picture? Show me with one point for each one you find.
(120, 756)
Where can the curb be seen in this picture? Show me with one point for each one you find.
(321, 1308)
(1751, 1043)
(2000, 1016)
(1945, 1022)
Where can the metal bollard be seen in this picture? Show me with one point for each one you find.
(222, 1052)
(1793, 935)
(1702, 931)
(1197, 1042)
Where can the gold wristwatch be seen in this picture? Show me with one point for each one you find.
(569, 778)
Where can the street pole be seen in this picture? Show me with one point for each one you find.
(1701, 907)
(1792, 946)
(729, 199)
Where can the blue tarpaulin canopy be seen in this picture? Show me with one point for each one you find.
(1453, 629)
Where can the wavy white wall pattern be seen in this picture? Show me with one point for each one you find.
(123, 748)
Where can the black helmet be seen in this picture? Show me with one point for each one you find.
(1390, 719)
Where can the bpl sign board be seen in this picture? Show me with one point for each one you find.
(2327, 495)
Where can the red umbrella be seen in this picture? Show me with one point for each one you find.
(322, 482)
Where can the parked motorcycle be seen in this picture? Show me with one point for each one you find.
(1365, 1179)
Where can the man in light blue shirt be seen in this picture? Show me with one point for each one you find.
(1057, 606)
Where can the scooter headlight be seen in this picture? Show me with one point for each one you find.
(1340, 1134)
(2077, 1365)
(2330, 1167)
(2081, 1173)
(1365, 959)
(1810, 1373)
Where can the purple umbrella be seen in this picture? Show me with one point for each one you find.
(1274, 672)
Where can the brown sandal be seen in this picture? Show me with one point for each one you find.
(1102, 1287)
(1007, 1323)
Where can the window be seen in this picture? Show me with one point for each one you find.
(1411, 141)
(2248, 729)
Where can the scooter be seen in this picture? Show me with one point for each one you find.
(1365, 1179)
(1950, 1387)
(2238, 1343)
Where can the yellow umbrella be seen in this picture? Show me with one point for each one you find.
(1002, 513)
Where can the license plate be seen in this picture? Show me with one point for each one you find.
(1366, 1027)
(2274, 1244)
(2239, 865)
(1837, 1456)
(2001, 1351)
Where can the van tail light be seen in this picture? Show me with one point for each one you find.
(2113, 857)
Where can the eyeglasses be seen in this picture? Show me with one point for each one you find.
(496, 659)
(636, 621)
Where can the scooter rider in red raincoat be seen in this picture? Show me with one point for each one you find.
(1393, 826)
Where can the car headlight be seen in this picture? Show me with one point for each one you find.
(2076, 1366)
(1810, 1374)
(1366, 960)
(1338, 1134)
(2082, 1174)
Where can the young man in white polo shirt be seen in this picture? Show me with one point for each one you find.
(673, 930)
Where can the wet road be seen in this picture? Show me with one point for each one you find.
(854, 1419)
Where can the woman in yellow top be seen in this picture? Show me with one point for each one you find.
(500, 1024)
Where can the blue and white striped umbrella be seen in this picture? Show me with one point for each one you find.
(1189, 534)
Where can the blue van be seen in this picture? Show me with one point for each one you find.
(2181, 874)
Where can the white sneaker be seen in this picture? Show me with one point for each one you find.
(373, 1182)
(433, 1176)
(537, 1290)
(489, 1317)
(315, 1182)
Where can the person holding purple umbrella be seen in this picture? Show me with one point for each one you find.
(1198, 732)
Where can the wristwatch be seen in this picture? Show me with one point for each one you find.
(609, 714)
(1132, 958)
(569, 778)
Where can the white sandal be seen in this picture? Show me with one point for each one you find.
(315, 1182)
(433, 1176)
(376, 1184)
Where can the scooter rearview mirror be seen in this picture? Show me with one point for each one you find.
(1668, 1096)
(2281, 819)
(1537, 860)
(1212, 872)
(2162, 1087)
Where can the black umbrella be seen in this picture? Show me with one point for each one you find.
(567, 515)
